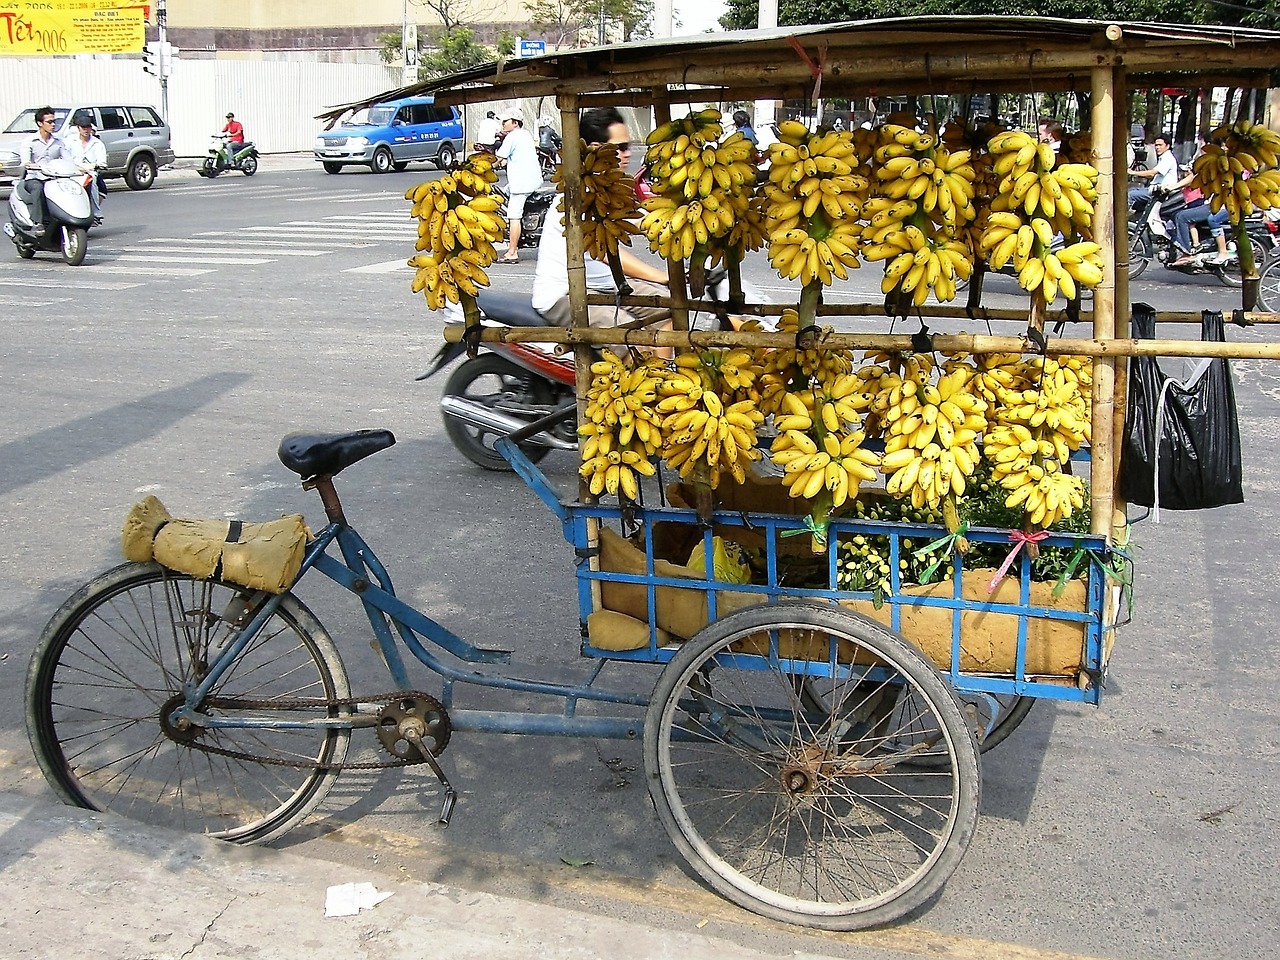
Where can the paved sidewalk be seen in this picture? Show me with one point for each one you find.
(93, 886)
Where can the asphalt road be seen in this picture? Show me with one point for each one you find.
(212, 318)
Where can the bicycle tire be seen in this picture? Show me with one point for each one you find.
(769, 802)
(119, 650)
(1269, 286)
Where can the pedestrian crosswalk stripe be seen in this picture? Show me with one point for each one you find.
(191, 258)
(184, 254)
(112, 266)
(363, 198)
(386, 266)
(74, 283)
(315, 240)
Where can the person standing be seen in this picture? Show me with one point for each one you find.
(89, 154)
(42, 146)
(519, 154)
(488, 130)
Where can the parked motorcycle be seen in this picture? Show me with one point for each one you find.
(225, 155)
(65, 189)
(1147, 245)
(536, 206)
(509, 385)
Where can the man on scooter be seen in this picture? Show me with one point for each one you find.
(234, 130)
(42, 146)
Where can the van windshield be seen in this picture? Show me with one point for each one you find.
(25, 122)
(380, 115)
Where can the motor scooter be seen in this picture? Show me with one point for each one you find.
(1154, 241)
(549, 144)
(63, 189)
(224, 155)
(510, 385)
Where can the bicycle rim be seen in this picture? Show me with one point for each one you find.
(111, 665)
(791, 815)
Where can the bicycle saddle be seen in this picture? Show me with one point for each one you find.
(328, 454)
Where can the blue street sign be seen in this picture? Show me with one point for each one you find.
(532, 48)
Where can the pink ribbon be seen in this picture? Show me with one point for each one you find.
(1019, 540)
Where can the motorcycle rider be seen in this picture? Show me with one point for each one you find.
(1163, 177)
(489, 130)
(42, 146)
(89, 154)
(551, 278)
(234, 130)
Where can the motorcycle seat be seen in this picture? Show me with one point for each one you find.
(511, 309)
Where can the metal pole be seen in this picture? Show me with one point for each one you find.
(162, 17)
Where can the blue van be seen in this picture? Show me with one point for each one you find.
(390, 135)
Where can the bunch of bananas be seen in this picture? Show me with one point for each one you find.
(608, 201)
(918, 166)
(458, 224)
(1024, 465)
(916, 261)
(622, 432)
(1038, 198)
(924, 193)
(795, 368)
(1237, 169)
(1038, 428)
(703, 436)
(703, 186)
(931, 435)
(1029, 246)
(814, 199)
(819, 446)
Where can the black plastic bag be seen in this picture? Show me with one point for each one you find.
(1198, 465)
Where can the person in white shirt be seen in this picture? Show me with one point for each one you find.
(89, 154)
(42, 146)
(1164, 177)
(519, 154)
(488, 130)
(551, 279)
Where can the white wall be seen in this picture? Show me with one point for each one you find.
(276, 101)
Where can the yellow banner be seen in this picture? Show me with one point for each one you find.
(47, 28)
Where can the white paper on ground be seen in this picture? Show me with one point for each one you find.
(348, 899)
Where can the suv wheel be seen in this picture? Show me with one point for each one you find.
(141, 173)
(382, 161)
(446, 156)
(331, 167)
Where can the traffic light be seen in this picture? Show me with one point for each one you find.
(151, 57)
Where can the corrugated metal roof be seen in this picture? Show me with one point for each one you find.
(991, 53)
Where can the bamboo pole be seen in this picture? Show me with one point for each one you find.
(875, 342)
(571, 170)
(1120, 206)
(1103, 477)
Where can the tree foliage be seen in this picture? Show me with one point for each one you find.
(453, 50)
(743, 14)
(577, 22)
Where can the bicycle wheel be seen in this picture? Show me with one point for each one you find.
(110, 667)
(1140, 251)
(991, 717)
(793, 814)
(1269, 287)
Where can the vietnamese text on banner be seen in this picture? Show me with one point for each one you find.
(45, 28)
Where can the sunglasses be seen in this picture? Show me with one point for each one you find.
(624, 146)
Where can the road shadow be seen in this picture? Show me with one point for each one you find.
(46, 453)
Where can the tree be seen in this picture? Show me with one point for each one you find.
(453, 50)
(573, 22)
(743, 14)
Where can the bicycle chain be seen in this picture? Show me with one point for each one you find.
(441, 737)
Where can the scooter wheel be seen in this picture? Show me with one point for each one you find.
(25, 250)
(75, 244)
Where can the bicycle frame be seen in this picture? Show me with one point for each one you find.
(363, 574)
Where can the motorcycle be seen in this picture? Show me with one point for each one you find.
(224, 155)
(65, 190)
(536, 206)
(549, 144)
(1147, 244)
(510, 385)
